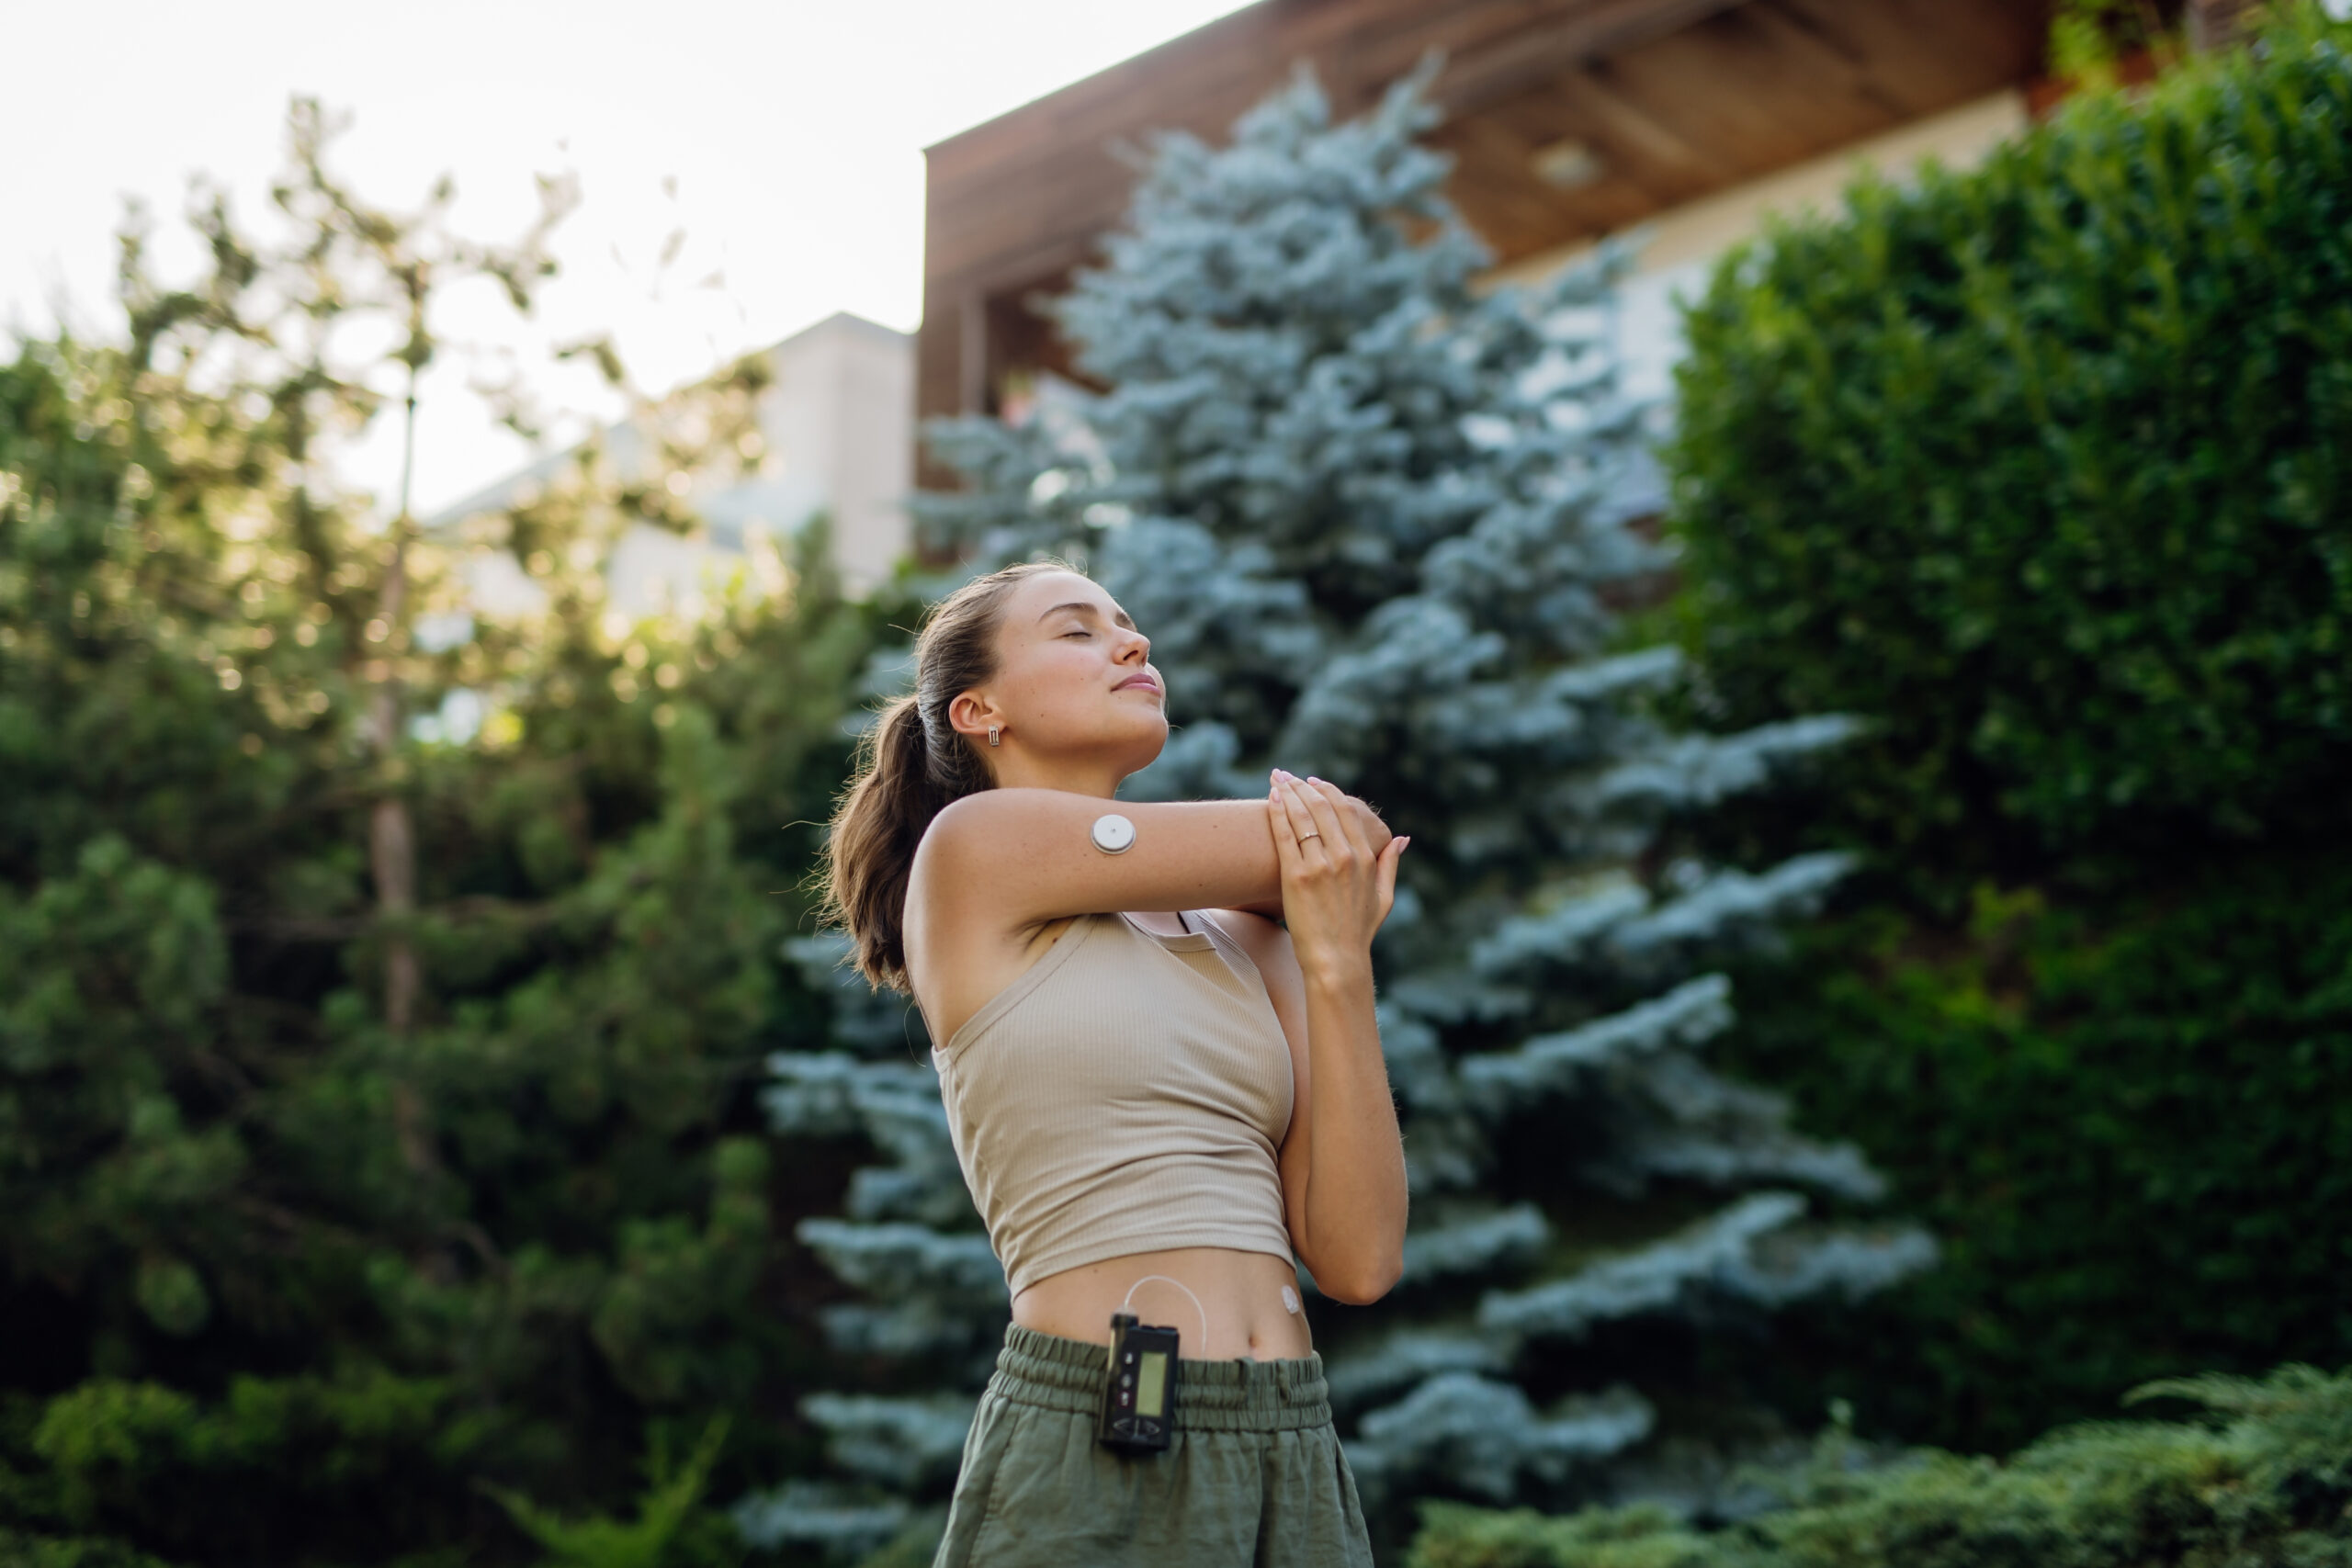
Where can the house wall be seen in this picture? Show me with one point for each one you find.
(840, 426)
(839, 422)
(1685, 241)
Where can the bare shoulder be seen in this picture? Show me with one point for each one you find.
(972, 824)
(969, 846)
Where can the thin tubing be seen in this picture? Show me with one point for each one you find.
(1181, 1286)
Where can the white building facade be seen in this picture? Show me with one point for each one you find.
(838, 422)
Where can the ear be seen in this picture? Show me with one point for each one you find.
(970, 713)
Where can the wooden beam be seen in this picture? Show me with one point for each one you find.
(1932, 52)
(1497, 71)
(1839, 64)
(1622, 117)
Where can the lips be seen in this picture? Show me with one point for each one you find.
(1142, 680)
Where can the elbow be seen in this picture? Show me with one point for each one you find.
(1362, 1285)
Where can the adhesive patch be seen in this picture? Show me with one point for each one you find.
(1290, 1299)
(1113, 833)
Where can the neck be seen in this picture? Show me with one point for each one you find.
(1018, 769)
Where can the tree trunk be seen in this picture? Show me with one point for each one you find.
(391, 841)
(391, 837)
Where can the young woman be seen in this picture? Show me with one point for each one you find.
(1159, 1095)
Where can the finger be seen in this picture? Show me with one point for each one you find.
(1349, 810)
(1385, 874)
(1285, 837)
(1295, 800)
(1327, 816)
(1302, 818)
(1296, 825)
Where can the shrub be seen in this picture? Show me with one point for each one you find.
(2130, 1128)
(2269, 1480)
(2048, 466)
(2046, 469)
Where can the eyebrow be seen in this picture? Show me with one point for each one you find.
(1084, 608)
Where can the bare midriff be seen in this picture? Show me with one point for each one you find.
(1240, 1294)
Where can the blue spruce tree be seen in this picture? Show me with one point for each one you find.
(1374, 519)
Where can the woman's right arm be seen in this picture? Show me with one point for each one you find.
(1021, 857)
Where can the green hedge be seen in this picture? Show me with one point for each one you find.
(2130, 1128)
(2047, 467)
(2047, 471)
(2271, 1484)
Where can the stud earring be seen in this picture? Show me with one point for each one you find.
(995, 731)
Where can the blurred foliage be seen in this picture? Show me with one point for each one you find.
(2266, 1481)
(667, 1530)
(2091, 40)
(2046, 469)
(327, 1203)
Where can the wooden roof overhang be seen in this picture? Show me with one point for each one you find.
(1671, 99)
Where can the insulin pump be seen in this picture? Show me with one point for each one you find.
(1139, 1393)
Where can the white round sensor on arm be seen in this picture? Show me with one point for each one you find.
(1113, 833)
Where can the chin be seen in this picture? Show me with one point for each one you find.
(1144, 749)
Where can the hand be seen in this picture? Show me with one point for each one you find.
(1376, 834)
(1337, 888)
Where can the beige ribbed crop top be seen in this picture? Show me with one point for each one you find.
(1127, 1093)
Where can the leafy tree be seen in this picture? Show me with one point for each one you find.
(376, 1098)
(1374, 519)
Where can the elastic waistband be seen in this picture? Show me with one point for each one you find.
(1236, 1395)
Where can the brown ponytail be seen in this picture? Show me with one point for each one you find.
(911, 765)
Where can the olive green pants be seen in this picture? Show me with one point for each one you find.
(1252, 1478)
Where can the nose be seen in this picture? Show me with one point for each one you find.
(1137, 649)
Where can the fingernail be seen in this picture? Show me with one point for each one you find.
(1312, 779)
(1404, 843)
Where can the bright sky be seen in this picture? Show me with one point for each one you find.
(794, 131)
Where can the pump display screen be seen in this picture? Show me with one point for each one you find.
(1151, 1382)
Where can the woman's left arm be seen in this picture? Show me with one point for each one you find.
(1342, 1160)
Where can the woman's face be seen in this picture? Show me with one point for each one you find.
(1074, 686)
